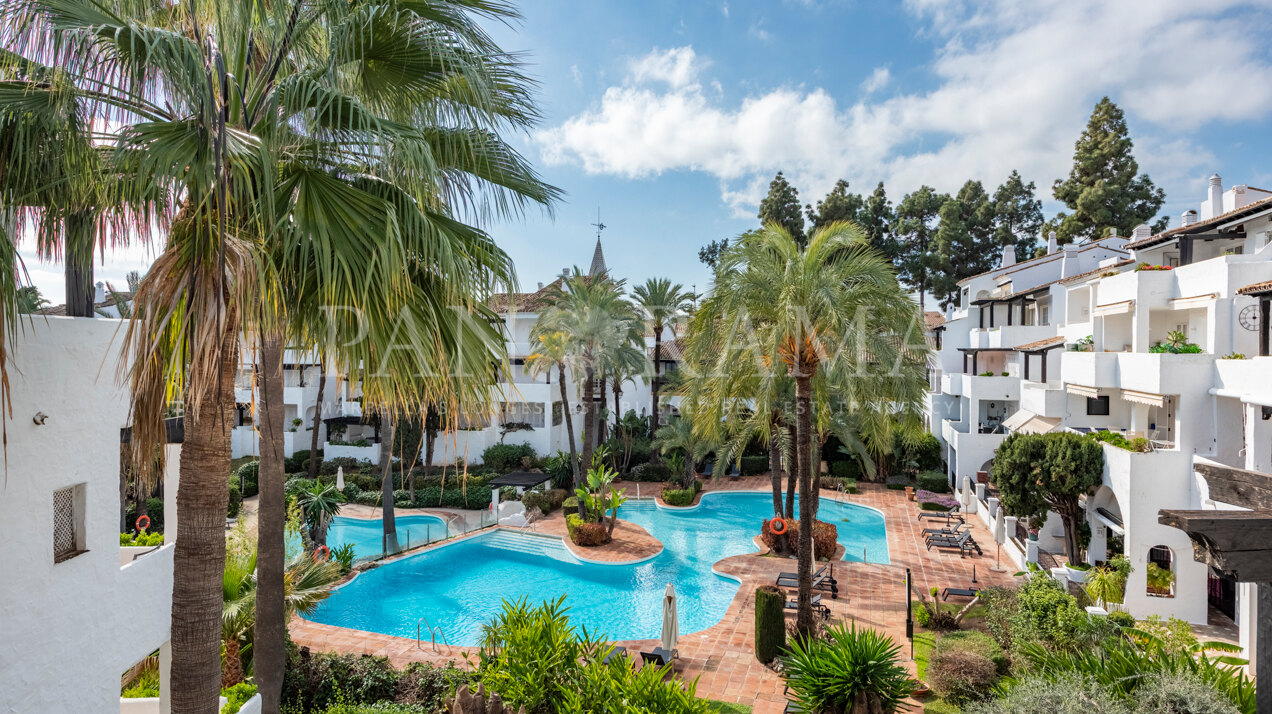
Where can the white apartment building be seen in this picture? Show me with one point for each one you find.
(77, 609)
(1065, 341)
(522, 399)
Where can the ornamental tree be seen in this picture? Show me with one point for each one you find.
(1037, 473)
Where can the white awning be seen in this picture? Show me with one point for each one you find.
(1015, 421)
(1188, 303)
(1152, 400)
(1081, 391)
(1113, 308)
(1040, 425)
(1108, 523)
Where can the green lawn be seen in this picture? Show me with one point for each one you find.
(924, 640)
(727, 708)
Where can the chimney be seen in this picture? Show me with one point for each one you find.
(1069, 263)
(99, 292)
(1009, 256)
(1216, 196)
(1052, 245)
(1188, 218)
(1141, 231)
(540, 285)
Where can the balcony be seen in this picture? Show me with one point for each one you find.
(1044, 399)
(1009, 336)
(148, 582)
(1145, 372)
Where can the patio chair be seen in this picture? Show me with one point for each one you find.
(734, 472)
(708, 468)
(938, 540)
(959, 592)
(817, 604)
(964, 544)
(952, 514)
(658, 656)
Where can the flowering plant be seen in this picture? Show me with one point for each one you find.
(938, 499)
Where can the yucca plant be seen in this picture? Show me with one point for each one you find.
(852, 671)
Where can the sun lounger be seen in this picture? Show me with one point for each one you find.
(659, 656)
(818, 607)
(795, 576)
(945, 531)
(964, 543)
(959, 592)
(615, 653)
(949, 515)
(948, 539)
(822, 582)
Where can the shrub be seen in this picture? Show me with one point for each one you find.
(1000, 609)
(1067, 695)
(507, 457)
(545, 501)
(930, 501)
(933, 481)
(572, 522)
(236, 696)
(923, 454)
(570, 506)
(825, 537)
(961, 676)
(834, 483)
(249, 475)
(154, 510)
(770, 623)
(475, 496)
(650, 472)
(845, 469)
(235, 503)
(1048, 613)
(147, 539)
(678, 496)
(589, 534)
(296, 483)
(1166, 693)
(344, 556)
(755, 465)
(923, 616)
(316, 681)
(369, 498)
(850, 670)
(298, 461)
(351, 492)
(428, 685)
(1122, 619)
(974, 641)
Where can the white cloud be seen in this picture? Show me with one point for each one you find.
(758, 32)
(877, 80)
(678, 67)
(577, 75)
(1015, 84)
(724, 9)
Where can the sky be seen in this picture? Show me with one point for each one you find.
(670, 117)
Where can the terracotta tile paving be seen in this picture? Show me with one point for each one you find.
(720, 657)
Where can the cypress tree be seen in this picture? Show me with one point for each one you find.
(781, 205)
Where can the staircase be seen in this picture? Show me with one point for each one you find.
(537, 545)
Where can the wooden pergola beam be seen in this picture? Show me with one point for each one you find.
(1248, 489)
(1235, 543)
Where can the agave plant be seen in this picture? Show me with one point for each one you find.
(852, 671)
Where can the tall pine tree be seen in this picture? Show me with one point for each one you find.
(878, 220)
(917, 218)
(1104, 189)
(1017, 216)
(873, 214)
(781, 205)
(965, 244)
(838, 205)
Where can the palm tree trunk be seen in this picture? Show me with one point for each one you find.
(569, 423)
(386, 484)
(792, 477)
(589, 425)
(653, 416)
(600, 417)
(269, 652)
(775, 473)
(199, 559)
(80, 292)
(807, 495)
(313, 440)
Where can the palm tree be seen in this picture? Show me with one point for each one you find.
(289, 149)
(660, 302)
(677, 436)
(553, 350)
(592, 314)
(833, 316)
(319, 504)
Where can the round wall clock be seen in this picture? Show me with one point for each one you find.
(1249, 317)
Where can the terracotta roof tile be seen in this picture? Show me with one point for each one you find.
(932, 318)
(673, 351)
(1263, 288)
(1167, 236)
(1081, 276)
(504, 303)
(1046, 342)
(60, 310)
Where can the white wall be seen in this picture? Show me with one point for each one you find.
(70, 629)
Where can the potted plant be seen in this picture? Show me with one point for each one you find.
(982, 477)
(1077, 573)
(909, 493)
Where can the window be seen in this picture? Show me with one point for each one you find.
(68, 522)
(1160, 574)
(1098, 406)
(523, 413)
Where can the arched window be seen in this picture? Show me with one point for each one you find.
(1160, 572)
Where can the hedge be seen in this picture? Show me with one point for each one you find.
(678, 496)
(249, 475)
(154, 510)
(754, 465)
(236, 502)
(934, 481)
(845, 469)
(649, 472)
(770, 623)
(507, 457)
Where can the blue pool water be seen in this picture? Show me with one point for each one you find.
(460, 587)
(365, 535)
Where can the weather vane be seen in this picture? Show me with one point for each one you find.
(598, 225)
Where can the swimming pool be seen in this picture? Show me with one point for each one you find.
(459, 587)
(365, 534)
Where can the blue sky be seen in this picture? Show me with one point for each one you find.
(673, 116)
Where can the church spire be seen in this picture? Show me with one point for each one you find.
(598, 256)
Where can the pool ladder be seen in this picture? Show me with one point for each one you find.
(433, 632)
